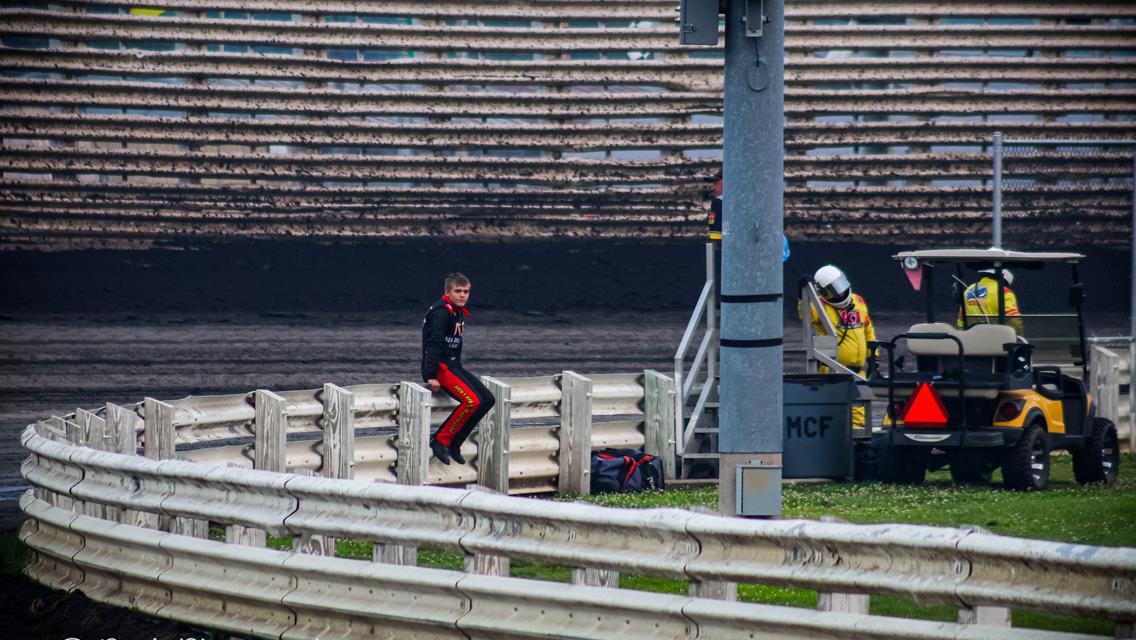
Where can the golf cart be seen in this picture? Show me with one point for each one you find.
(989, 391)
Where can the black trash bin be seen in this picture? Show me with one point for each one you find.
(818, 425)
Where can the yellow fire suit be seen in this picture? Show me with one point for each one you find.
(854, 331)
(982, 305)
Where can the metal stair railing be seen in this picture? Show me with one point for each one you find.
(819, 349)
(704, 310)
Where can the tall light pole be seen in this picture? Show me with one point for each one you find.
(750, 412)
(750, 415)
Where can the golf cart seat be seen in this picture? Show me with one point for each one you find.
(993, 357)
(981, 340)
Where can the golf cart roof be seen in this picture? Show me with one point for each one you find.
(1001, 256)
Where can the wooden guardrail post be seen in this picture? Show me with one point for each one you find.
(493, 438)
(413, 459)
(658, 419)
(575, 434)
(93, 433)
(158, 429)
(711, 589)
(485, 564)
(493, 467)
(338, 425)
(271, 428)
(97, 436)
(271, 431)
(982, 614)
(842, 602)
(93, 428)
(413, 433)
(53, 429)
(45, 430)
(72, 435)
(312, 544)
(157, 444)
(121, 427)
(595, 577)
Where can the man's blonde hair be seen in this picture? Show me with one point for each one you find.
(454, 279)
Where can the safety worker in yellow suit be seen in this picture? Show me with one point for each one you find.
(980, 302)
(848, 314)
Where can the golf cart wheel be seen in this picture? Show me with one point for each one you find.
(904, 465)
(1099, 460)
(1026, 466)
(869, 456)
(971, 472)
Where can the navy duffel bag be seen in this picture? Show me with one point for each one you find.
(625, 471)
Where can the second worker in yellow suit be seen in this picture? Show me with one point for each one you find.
(981, 302)
(849, 316)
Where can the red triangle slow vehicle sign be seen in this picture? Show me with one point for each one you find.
(925, 408)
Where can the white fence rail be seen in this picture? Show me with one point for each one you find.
(1111, 369)
(133, 530)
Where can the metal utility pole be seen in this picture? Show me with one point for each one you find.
(996, 187)
(750, 414)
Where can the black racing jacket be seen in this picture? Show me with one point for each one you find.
(442, 336)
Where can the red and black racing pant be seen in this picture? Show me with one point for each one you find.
(474, 401)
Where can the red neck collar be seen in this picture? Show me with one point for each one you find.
(451, 303)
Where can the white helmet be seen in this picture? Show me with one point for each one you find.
(1007, 275)
(833, 286)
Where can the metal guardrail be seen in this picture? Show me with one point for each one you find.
(268, 593)
(534, 458)
(376, 432)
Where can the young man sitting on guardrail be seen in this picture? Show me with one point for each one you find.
(442, 369)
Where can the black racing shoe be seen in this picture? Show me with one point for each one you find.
(455, 453)
(441, 451)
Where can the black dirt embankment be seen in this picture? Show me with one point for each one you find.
(30, 610)
(296, 278)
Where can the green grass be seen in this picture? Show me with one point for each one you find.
(1067, 512)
